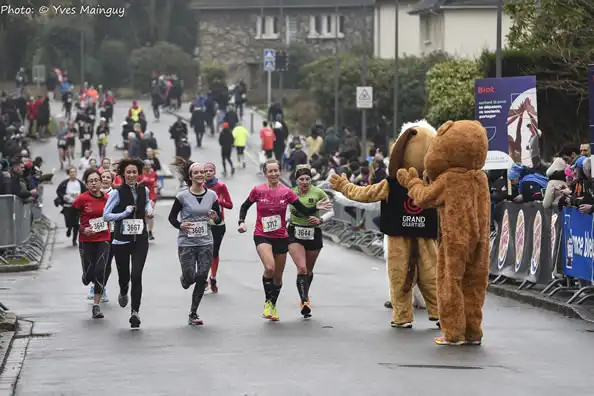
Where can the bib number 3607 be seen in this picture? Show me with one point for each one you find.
(305, 233)
(271, 223)
(199, 229)
(132, 227)
(98, 224)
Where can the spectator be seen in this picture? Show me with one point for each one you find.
(585, 150)
(18, 184)
(557, 187)
(153, 159)
(569, 153)
(314, 143)
(331, 142)
(133, 145)
(530, 185)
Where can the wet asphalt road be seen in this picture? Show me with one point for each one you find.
(347, 348)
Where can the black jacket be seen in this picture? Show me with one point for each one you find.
(61, 191)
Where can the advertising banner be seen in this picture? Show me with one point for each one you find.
(591, 107)
(578, 246)
(507, 108)
(525, 245)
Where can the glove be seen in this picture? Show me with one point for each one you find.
(338, 183)
(406, 176)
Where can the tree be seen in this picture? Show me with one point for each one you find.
(213, 74)
(450, 90)
(561, 29)
(114, 54)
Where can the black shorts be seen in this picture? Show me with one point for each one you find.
(309, 244)
(240, 150)
(279, 245)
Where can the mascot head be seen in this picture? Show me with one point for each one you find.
(460, 144)
(410, 147)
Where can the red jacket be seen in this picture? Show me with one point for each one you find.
(224, 198)
(31, 110)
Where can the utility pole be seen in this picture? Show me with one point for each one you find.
(498, 55)
(336, 70)
(396, 117)
(283, 33)
(82, 48)
(364, 82)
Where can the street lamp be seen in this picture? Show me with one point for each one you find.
(498, 56)
(396, 72)
(82, 47)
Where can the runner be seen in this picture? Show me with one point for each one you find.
(67, 192)
(128, 206)
(195, 207)
(270, 234)
(149, 179)
(218, 230)
(106, 183)
(94, 237)
(305, 234)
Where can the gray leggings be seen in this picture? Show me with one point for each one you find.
(195, 263)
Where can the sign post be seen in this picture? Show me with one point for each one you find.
(39, 76)
(507, 109)
(591, 107)
(269, 67)
(364, 102)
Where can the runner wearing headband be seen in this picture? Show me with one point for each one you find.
(270, 234)
(218, 230)
(196, 207)
(305, 234)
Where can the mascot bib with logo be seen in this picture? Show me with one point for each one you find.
(460, 190)
(411, 231)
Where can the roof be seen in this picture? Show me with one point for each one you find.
(258, 4)
(424, 6)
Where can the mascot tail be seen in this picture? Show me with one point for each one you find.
(411, 274)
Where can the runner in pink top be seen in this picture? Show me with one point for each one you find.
(270, 234)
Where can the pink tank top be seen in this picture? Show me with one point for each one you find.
(271, 209)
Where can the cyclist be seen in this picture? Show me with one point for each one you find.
(270, 234)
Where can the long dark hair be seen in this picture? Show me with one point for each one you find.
(183, 169)
(127, 162)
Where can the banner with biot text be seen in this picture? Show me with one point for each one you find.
(578, 244)
(507, 109)
(591, 107)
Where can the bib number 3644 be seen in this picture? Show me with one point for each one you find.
(305, 233)
(132, 227)
(271, 223)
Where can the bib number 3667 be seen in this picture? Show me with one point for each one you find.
(271, 223)
(132, 227)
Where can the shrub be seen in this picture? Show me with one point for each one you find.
(213, 74)
(450, 90)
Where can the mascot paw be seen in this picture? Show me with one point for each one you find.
(406, 176)
(337, 183)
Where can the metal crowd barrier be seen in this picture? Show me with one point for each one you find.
(25, 230)
(532, 247)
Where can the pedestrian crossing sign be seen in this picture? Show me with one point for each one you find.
(364, 97)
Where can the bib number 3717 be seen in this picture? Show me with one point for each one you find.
(132, 227)
(271, 223)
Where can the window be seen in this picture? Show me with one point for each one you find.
(267, 27)
(326, 26)
(425, 30)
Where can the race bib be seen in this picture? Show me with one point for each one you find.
(101, 136)
(69, 100)
(98, 224)
(87, 136)
(271, 223)
(92, 117)
(132, 227)
(199, 229)
(61, 142)
(305, 233)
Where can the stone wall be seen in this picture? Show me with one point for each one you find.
(229, 37)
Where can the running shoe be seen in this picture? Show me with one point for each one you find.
(91, 293)
(407, 325)
(123, 300)
(97, 314)
(442, 340)
(473, 342)
(267, 310)
(134, 320)
(104, 297)
(151, 237)
(273, 314)
(194, 320)
(213, 285)
(306, 310)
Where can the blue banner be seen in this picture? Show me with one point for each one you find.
(578, 244)
(507, 108)
(591, 101)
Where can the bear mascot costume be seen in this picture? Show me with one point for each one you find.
(460, 190)
(411, 230)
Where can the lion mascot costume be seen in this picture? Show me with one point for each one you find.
(460, 189)
(411, 230)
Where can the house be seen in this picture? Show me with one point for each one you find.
(459, 27)
(236, 32)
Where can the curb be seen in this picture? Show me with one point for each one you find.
(14, 356)
(50, 240)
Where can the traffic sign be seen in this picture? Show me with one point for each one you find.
(39, 73)
(365, 97)
(269, 60)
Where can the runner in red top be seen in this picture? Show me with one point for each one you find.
(270, 235)
(218, 230)
(149, 179)
(267, 137)
(94, 237)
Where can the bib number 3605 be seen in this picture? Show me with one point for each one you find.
(305, 233)
(132, 227)
(199, 229)
(271, 223)
(98, 225)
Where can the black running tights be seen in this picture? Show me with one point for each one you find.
(96, 265)
(131, 253)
